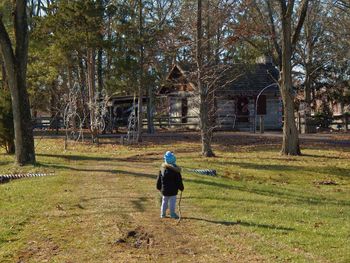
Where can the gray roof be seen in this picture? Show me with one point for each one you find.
(233, 78)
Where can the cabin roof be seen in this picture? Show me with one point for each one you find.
(234, 78)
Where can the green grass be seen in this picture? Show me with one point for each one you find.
(272, 206)
(282, 201)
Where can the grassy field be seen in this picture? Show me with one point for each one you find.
(101, 205)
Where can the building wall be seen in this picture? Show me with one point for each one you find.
(175, 109)
(273, 114)
(226, 113)
(193, 109)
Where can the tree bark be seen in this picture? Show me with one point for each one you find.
(274, 34)
(84, 91)
(4, 76)
(310, 45)
(290, 145)
(307, 95)
(16, 69)
(139, 122)
(150, 110)
(92, 88)
(206, 133)
(99, 70)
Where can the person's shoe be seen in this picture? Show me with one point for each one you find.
(162, 216)
(175, 216)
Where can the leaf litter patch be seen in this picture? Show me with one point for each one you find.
(137, 238)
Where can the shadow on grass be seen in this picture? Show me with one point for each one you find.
(6, 162)
(112, 171)
(139, 203)
(328, 170)
(322, 156)
(133, 158)
(65, 167)
(286, 194)
(240, 223)
(78, 157)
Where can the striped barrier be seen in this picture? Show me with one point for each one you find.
(209, 172)
(5, 178)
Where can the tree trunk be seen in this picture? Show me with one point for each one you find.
(206, 133)
(92, 88)
(99, 70)
(139, 122)
(290, 145)
(150, 107)
(308, 77)
(208, 36)
(84, 91)
(307, 95)
(16, 68)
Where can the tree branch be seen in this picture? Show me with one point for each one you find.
(304, 7)
(290, 8)
(273, 31)
(283, 6)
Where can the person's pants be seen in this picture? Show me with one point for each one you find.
(172, 204)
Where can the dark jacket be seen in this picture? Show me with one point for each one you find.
(169, 180)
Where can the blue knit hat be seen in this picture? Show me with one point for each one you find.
(169, 157)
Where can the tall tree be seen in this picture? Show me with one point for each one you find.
(290, 145)
(206, 132)
(140, 89)
(312, 54)
(15, 59)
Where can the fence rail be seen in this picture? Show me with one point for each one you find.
(48, 123)
(222, 121)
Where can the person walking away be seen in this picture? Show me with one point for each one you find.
(169, 181)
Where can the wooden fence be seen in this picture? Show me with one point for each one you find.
(223, 122)
(46, 123)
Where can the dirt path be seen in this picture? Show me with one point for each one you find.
(143, 236)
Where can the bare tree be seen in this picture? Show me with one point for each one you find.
(206, 132)
(290, 145)
(15, 58)
(313, 54)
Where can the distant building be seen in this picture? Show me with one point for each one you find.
(234, 92)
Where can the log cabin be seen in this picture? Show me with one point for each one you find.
(233, 90)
